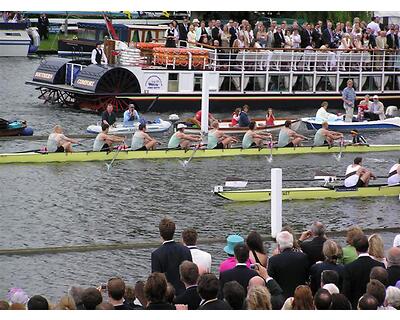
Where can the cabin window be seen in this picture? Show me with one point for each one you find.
(254, 83)
(102, 34)
(12, 34)
(173, 82)
(343, 82)
(197, 82)
(229, 83)
(302, 82)
(149, 36)
(371, 83)
(87, 34)
(326, 83)
(278, 82)
(391, 83)
(135, 37)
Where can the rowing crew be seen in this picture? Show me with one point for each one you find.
(359, 176)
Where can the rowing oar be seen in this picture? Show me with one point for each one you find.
(186, 162)
(242, 183)
(44, 149)
(109, 165)
(320, 175)
(270, 146)
(339, 156)
(152, 104)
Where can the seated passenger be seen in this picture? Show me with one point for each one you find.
(130, 116)
(235, 118)
(269, 118)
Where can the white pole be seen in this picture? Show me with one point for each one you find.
(204, 107)
(276, 201)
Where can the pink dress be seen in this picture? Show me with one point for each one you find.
(230, 263)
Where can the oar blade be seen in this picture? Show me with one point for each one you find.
(236, 184)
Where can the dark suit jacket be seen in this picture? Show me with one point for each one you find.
(215, 34)
(316, 38)
(166, 259)
(316, 270)
(276, 292)
(326, 38)
(240, 273)
(313, 249)
(160, 306)
(392, 43)
(394, 275)
(289, 269)
(215, 305)
(183, 31)
(356, 277)
(372, 40)
(279, 40)
(305, 39)
(190, 297)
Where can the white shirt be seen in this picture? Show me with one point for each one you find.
(103, 56)
(323, 115)
(352, 180)
(201, 258)
(395, 179)
(374, 27)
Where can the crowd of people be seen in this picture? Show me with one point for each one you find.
(356, 34)
(312, 272)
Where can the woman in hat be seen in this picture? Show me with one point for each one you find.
(229, 263)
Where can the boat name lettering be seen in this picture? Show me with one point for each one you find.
(153, 83)
(87, 83)
(43, 75)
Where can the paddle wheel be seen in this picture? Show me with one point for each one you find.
(54, 96)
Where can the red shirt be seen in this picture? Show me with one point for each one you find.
(270, 120)
(235, 119)
(198, 115)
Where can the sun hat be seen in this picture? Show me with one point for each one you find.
(332, 288)
(231, 242)
(195, 20)
(181, 126)
(375, 97)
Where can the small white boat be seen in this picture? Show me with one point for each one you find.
(226, 127)
(340, 125)
(155, 126)
(17, 41)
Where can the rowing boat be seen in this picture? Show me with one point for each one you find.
(313, 193)
(155, 126)
(83, 156)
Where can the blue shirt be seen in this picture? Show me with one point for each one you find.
(244, 120)
(349, 94)
(128, 118)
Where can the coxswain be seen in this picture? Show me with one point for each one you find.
(254, 139)
(323, 114)
(270, 118)
(217, 139)
(98, 56)
(141, 140)
(235, 117)
(394, 174)
(105, 141)
(357, 175)
(181, 140)
(58, 142)
(244, 120)
(108, 116)
(289, 137)
(130, 116)
(358, 139)
(197, 119)
(325, 137)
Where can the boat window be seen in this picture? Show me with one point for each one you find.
(254, 82)
(302, 82)
(86, 34)
(325, 83)
(197, 82)
(343, 82)
(12, 34)
(135, 37)
(149, 37)
(173, 82)
(391, 83)
(229, 83)
(371, 83)
(102, 35)
(278, 82)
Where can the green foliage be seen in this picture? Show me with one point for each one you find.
(335, 16)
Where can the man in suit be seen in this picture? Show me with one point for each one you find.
(316, 36)
(289, 268)
(279, 38)
(168, 257)
(328, 38)
(392, 39)
(356, 273)
(393, 258)
(240, 273)
(306, 36)
(183, 29)
(313, 248)
(208, 290)
(189, 276)
(273, 287)
(116, 291)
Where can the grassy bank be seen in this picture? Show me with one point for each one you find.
(51, 44)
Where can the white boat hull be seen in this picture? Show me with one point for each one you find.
(119, 129)
(340, 125)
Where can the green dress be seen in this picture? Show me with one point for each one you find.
(349, 254)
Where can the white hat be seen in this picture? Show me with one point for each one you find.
(396, 241)
(181, 126)
(195, 20)
(375, 97)
(332, 288)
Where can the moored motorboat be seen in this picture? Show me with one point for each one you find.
(14, 128)
(340, 125)
(155, 126)
(226, 127)
(83, 156)
(311, 193)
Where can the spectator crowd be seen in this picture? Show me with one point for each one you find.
(348, 35)
(312, 272)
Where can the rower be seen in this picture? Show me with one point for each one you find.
(244, 120)
(58, 142)
(325, 137)
(357, 175)
(130, 116)
(358, 139)
(394, 174)
(235, 117)
(108, 116)
(323, 114)
(270, 118)
(141, 140)
(104, 141)
(289, 137)
(217, 139)
(197, 118)
(181, 140)
(253, 139)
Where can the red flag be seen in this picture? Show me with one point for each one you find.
(110, 27)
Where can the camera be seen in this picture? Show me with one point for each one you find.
(254, 266)
(104, 286)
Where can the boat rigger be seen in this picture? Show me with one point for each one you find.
(84, 156)
(313, 193)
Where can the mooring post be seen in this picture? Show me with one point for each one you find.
(276, 201)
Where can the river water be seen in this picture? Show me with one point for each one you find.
(82, 203)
